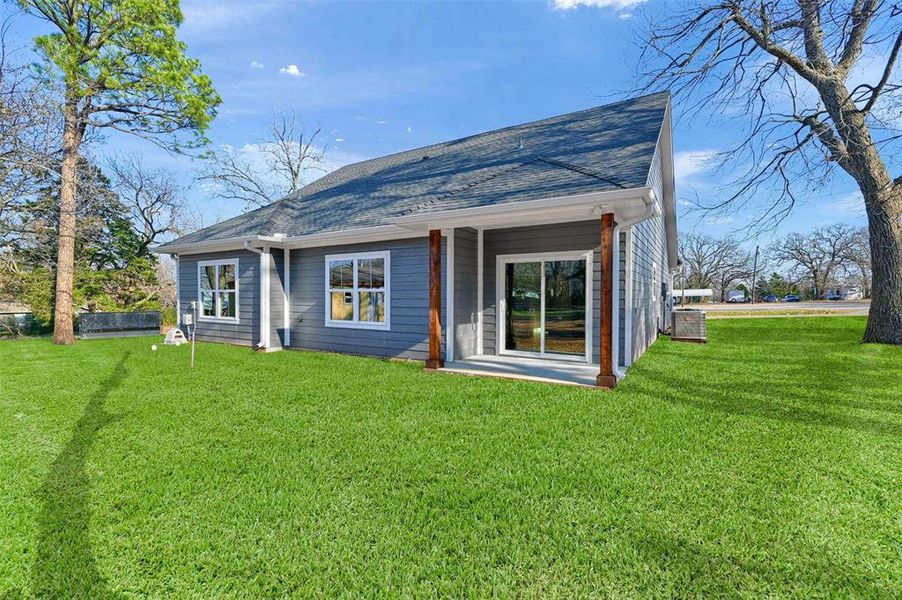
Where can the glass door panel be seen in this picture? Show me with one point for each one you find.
(565, 307)
(523, 301)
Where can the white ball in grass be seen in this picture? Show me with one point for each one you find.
(154, 347)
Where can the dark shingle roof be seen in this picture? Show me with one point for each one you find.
(604, 148)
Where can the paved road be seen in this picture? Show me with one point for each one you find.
(854, 307)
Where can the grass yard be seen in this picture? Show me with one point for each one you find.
(765, 463)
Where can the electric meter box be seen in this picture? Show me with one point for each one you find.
(187, 319)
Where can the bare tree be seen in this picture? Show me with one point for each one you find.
(816, 257)
(153, 199)
(30, 126)
(712, 262)
(857, 258)
(786, 64)
(166, 277)
(285, 156)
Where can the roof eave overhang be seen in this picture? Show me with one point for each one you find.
(628, 204)
(669, 185)
(625, 204)
(206, 245)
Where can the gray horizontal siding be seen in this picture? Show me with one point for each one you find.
(651, 279)
(465, 292)
(246, 331)
(409, 298)
(561, 237)
(621, 304)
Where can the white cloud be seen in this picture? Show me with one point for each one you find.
(410, 130)
(339, 139)
(720, 219)
(625, 16)
(615, 4)
(381, 122)
(293, 71)
(850, 205)
(688, 163)
(256, 64)
(205, 16)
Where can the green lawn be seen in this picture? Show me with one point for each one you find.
(767, 462)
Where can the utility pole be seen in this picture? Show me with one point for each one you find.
(755, 273)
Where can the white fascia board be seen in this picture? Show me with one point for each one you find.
(668, 180)
(625, 204)
(560, 209)
(329, 238)
(235, 243)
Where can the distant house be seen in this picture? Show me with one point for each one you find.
(844, 293)
(553, 240)
(693, 295)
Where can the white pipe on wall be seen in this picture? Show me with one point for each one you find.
(651, 209)
(286, 288)
(178, 292)
(449, 312)
(480, 290)
(264, 296)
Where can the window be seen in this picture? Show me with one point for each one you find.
(217, 289)
(357, 290)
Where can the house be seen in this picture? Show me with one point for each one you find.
(693, 295)
(549, 244)
(852, 292)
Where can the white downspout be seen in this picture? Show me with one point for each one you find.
(615, 301)
(480, 241)
(651, 209)
(178, 292)
(286, 288)
(628, 301)
(449, 291)
(263, 344)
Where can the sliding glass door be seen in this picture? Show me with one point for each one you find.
(545, 306)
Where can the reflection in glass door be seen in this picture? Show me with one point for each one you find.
(545, 307)
(565, 307)
(524, 306)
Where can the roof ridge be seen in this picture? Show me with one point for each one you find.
(446, 143)
(514, 126)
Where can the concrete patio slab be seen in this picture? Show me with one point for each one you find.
(530, 369)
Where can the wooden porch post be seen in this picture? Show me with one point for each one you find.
(435, 300)
(606, 377)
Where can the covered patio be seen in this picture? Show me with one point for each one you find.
(502, 323)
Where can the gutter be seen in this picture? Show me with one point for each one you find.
(416, 223)
(263, 344)
(595, 200)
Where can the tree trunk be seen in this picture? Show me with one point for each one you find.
(63, 332)
(883, 202)
(884, 209)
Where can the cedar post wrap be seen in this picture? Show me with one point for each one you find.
(606, 377)
(435, 300)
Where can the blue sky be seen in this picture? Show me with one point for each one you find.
(380, 77)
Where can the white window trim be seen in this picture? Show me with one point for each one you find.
(501, 260)
(201, 264)
(356, 256)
